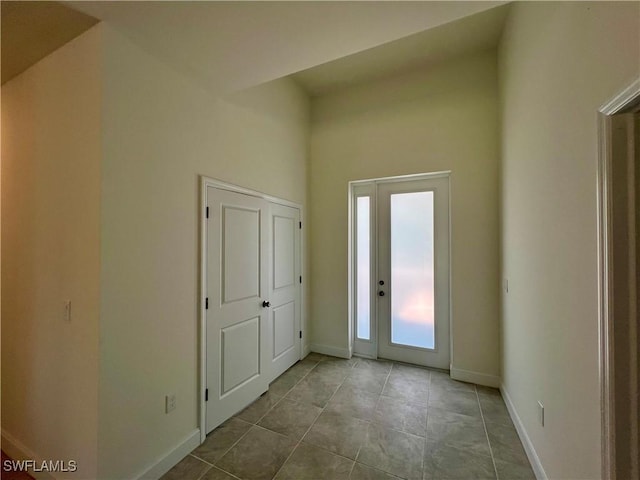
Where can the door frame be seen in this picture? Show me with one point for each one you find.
(369, 187)
(627, 100)
(205, 183)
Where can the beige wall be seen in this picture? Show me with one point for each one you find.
(558, 63)
(441, 119)
(160, 133)
(51, 253)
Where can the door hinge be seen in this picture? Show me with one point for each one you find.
(206, 394)
(207, 212)
(206, 303)
(300, 223)
(300, 278)
(300, 333)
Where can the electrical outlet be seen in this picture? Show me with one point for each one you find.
(541, 413)
(170, 403)
(67, 310)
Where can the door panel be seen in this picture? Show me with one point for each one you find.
(413, 264)
(240, 344)
(284, 327)
(283, 252)
(241, 253)
(285, 288)
(237, 283)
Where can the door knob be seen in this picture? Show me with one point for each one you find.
(266, 304)
(381, 293)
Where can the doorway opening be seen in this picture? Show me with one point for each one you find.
(618, 227)
(399, 253)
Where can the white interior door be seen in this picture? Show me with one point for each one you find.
(284, 296)
(413, 271)
(237, 331)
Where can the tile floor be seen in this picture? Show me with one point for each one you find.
(329, 418)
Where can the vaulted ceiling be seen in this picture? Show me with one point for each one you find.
(227, 46)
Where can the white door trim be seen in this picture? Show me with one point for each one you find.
(206, 182)
(369, 187)
(617, 104)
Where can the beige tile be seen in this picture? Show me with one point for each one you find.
(376, 366)
(254, 412)
(221, 439)
(301, 368)
(283, 384)
(290, 418)
(354, 403)
(443, 462)
(315, 391)
(189, 468)
(514, 471)
(455, 430)
(312, 463)
(392, 451)
(330, 373)
(401, 415)
(505, 444)
(338, 433)
(494, 409)
(366, 380)
(411, 372)
(258, 456)
(215, 473)
(316, 357)
(460, 401)
(445, 382)
(364, 472)
(407, 389)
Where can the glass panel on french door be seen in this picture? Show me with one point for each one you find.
(412, 270)
(363, 274)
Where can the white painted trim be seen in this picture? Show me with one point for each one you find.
(206, 182)
(331, 350)
(606, 353)
(167, 461)
(306, 350)
(475, 377)
(623, 99)
(17, 450)
(405, 178)
(212, 182)
(529, 449)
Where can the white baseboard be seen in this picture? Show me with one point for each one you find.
(15, 449)
(538, 470)
(330, 350)
(164, 463)
(306, 350)
(475, 377)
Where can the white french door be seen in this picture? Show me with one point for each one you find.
(252, 304)
(400, 287)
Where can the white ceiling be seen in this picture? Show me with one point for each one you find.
(227, 46)
(475, 33)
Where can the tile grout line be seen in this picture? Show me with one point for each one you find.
(486, 432)
(426, 427)
(211, 467)
(253, 424)
(312, 423)
(368, 426)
